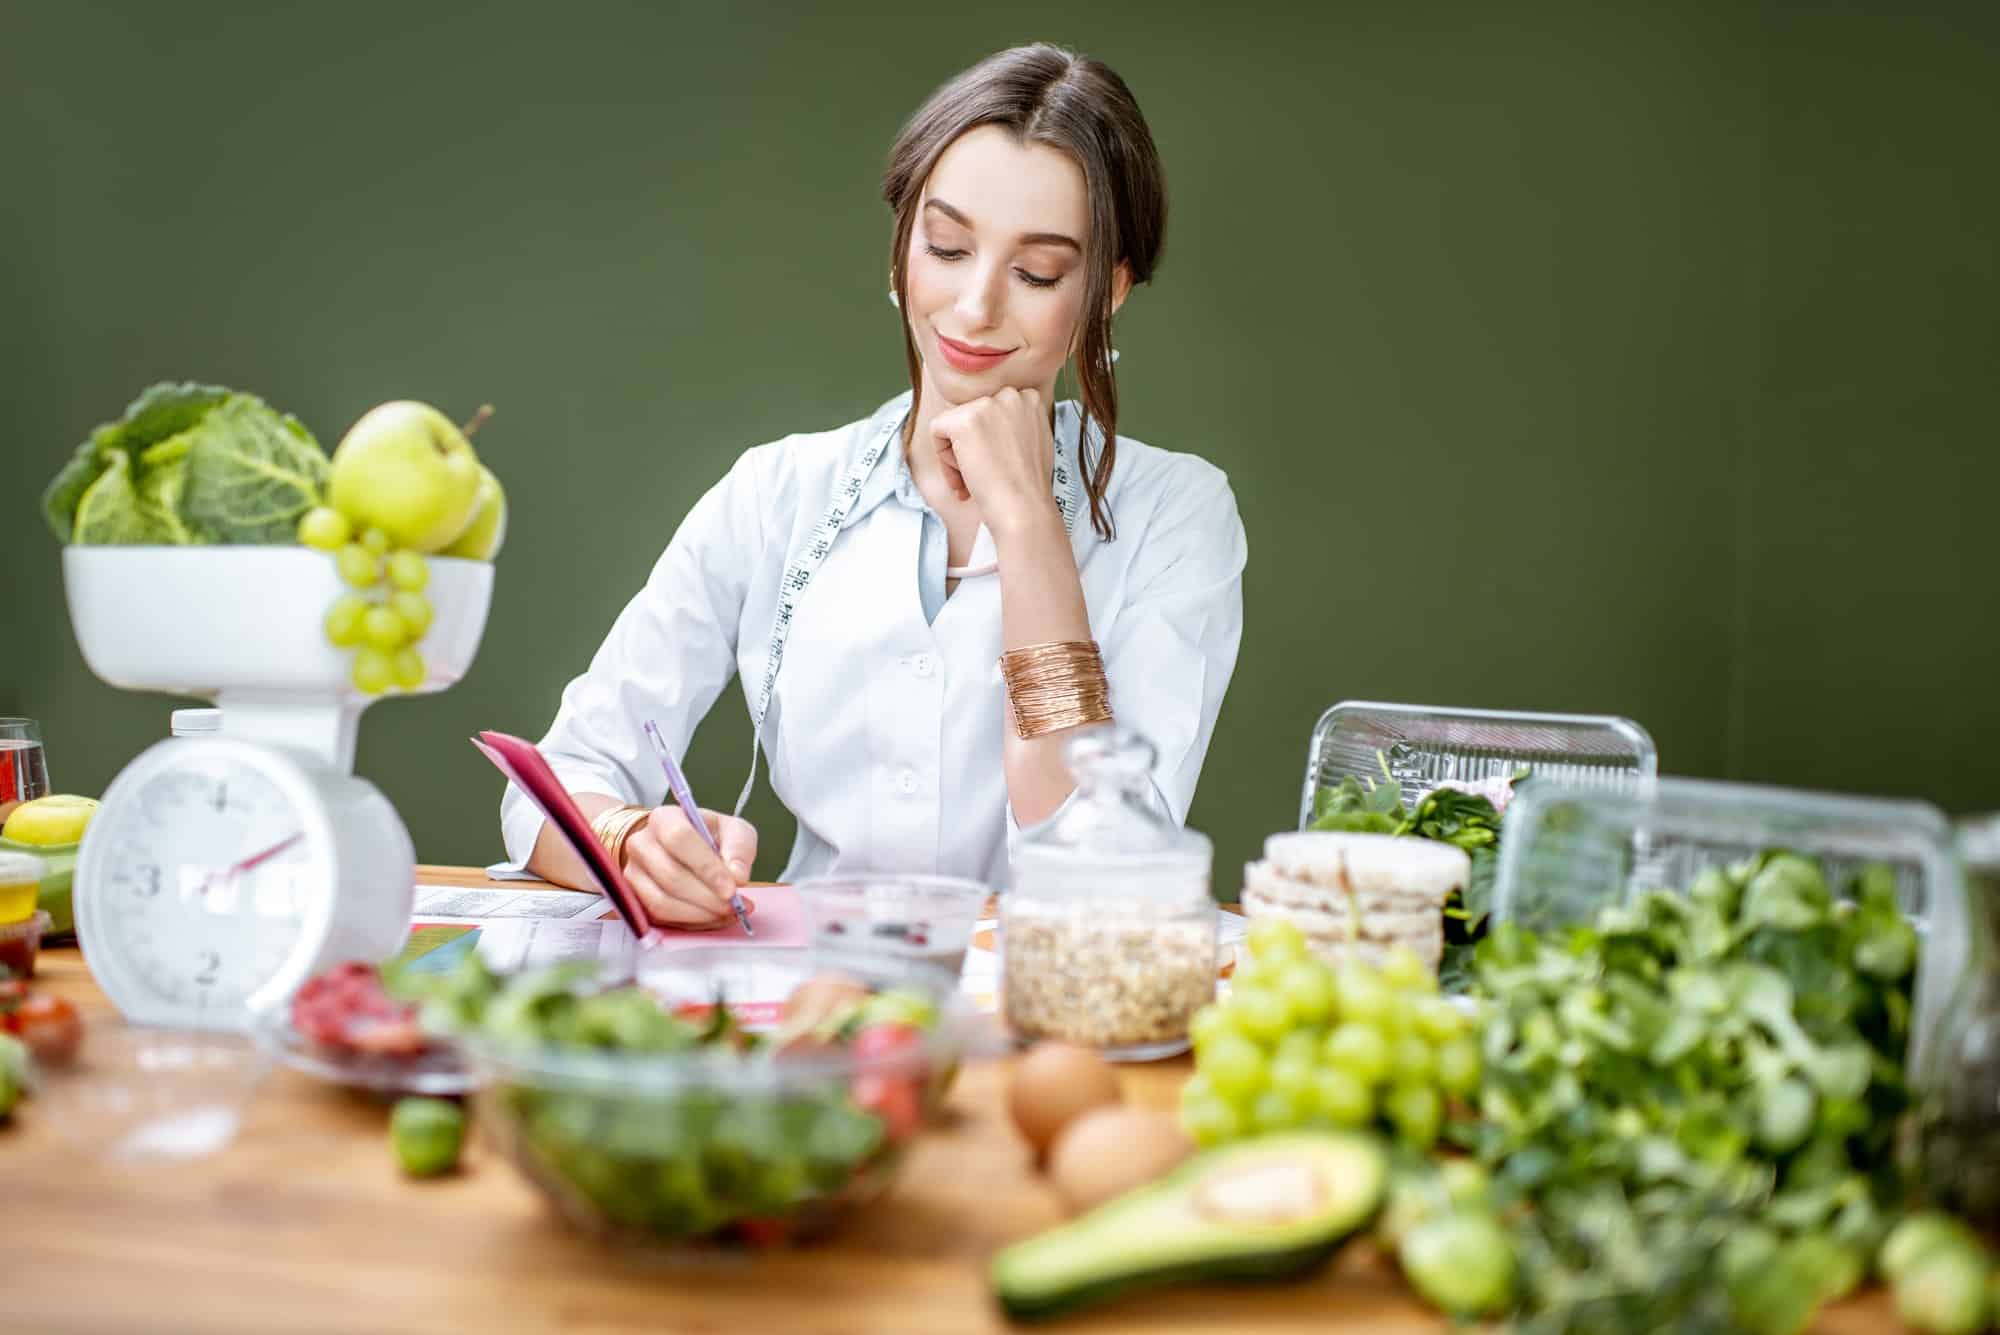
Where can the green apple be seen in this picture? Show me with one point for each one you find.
(488, 530)
(406, 469)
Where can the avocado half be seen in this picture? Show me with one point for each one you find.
(54, 895)
(1262, 1209)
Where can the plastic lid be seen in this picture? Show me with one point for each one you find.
(1418, 747)
(21, 869)
(1979, 843)
(190, 721)
(31, 928)
(1112, 816)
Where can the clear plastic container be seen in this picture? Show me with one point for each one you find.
(1107, 931)
(140, 1095)
(20, 942)
(1567, 851)
(20, 886)
(1425, 745)
(1959, 1122)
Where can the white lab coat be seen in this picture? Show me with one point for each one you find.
(884, 731)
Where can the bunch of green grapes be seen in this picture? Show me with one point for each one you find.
(385, 613)
(1301, 1042)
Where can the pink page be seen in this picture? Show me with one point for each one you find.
(776, 914)
(780, 918)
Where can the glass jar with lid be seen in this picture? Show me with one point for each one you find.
(1958, 1123)
(1107, 930)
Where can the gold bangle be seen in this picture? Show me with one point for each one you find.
(615, 826)
(600, 824)
(625, 831)
(1056, 686)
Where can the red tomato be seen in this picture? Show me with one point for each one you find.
(879, 1041)
(763, 1232)
(50, 1026)
(898, 1102)
(12, 993)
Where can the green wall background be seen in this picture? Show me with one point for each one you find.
(1631, 359)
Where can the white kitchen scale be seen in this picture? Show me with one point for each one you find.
(220, 872)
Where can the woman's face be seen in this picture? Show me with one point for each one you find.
(996, 268)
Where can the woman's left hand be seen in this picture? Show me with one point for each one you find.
(999, 451)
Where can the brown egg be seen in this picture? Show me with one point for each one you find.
(1055, 1082)
(1108, 1151)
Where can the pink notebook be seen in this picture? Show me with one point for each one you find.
(780, 917)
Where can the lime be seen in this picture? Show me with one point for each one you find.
(426, 1135)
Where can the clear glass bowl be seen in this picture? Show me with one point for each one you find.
(136, 1095)
(437, 1071)
(883, 928)
(708, 1147)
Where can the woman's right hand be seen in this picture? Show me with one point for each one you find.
(681, 880)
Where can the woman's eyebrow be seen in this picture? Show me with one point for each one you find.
(1028, 239)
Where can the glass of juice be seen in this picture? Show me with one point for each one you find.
(24, 768)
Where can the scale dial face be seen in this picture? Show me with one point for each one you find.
(206, 875)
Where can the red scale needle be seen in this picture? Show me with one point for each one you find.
(231, 872)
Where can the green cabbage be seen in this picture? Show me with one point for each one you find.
(188, 464)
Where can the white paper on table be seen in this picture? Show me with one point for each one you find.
(454, 901)
(512, 944)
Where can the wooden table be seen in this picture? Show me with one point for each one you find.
(304, 1224)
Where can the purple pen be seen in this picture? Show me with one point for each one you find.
(677, 784)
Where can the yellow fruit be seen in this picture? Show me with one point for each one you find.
(59, 818)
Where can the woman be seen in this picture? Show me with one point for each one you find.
(956, 584)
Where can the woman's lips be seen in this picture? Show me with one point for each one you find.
(971, 356)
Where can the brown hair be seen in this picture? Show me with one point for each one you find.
(1047, 95)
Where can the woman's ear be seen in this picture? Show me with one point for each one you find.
(1121, 285)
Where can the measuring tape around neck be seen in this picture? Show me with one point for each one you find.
(871, 442)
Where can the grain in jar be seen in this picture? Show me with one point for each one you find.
(1108, 930)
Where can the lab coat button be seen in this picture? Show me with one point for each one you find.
(906, 782)
(924, 665)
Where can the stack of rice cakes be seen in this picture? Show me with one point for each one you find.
(1357, 896)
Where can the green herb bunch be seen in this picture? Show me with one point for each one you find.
(1694, 1100)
